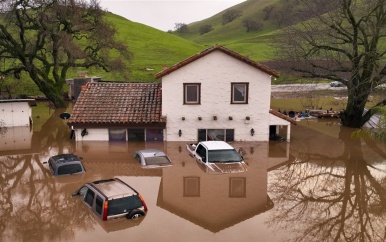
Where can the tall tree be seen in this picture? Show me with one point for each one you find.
(345, 44)
(45, 39)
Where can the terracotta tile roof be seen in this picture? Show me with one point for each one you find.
(282, 116)
(108, 103)
(210, 50)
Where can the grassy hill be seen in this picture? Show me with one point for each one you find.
(254, 44)
(151, 48)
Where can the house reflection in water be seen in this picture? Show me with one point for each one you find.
(16, 138)
(212, 201)
(218, 201)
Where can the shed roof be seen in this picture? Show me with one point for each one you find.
(222, 49)
(282, 116)
(114, 104)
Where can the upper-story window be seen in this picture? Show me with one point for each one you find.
(192, 93)
(239, 93)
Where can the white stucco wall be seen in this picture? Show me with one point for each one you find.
(15, 114)
(216, 71)
(93, 134)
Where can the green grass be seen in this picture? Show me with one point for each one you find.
(300, 104)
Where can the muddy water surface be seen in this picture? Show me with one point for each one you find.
(321, 186)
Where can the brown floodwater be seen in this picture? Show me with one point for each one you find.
(321, 186)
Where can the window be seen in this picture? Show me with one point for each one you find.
(192, 93)
(201, 151)
(216, 134)
(123, 205)
(117, 135)
(69, 169)
(239, 93)
(89, 197)
(98, 204)
(136, 135)
(191, 186)
(237, 187)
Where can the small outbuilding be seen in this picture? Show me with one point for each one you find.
(16, 112)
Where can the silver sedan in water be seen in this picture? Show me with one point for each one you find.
(152, 158)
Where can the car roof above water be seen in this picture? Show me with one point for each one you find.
(151, 152)
(114, 188)
(61, 158)
(217, 145)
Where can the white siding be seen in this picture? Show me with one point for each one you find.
(92, 134)
(216, 71)
(15, 114)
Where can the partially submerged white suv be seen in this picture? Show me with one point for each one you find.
(112, 198)
(218, 156)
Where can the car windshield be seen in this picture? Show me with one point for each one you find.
(224, 156)
(157, 160)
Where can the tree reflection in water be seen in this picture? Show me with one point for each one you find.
(33, 206)
(319, 198)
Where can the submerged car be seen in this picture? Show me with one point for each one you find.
(65, 164)
(152, 158)
(112, 198)
(218, 156)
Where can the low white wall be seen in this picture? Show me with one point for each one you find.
(92, 135)
(15, 114)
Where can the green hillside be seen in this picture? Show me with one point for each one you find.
(151, 48)
(255, 44)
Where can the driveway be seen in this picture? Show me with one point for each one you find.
(304, 87)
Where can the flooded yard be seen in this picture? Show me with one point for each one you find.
(321, 186)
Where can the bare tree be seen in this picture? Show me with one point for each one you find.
(47, 38)
(344, 45)
(330, 197)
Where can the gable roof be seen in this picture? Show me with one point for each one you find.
(118, 104)
(225, 51)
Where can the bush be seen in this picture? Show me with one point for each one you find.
(205, 29)
(230, 15)
(252, 25)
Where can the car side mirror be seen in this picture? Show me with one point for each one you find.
(76, 193)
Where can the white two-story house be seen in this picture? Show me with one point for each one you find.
(219, 94)
(216, 94)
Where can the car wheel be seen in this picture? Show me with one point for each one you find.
(135, 214)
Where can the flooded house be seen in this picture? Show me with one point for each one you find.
(216, 94)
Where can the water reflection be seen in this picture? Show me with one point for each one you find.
(334, 191)
(323, 186)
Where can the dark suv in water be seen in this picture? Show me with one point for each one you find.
(65, 164)
(112, 198)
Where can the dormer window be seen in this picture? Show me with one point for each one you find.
(239, 93)
(192, 93)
